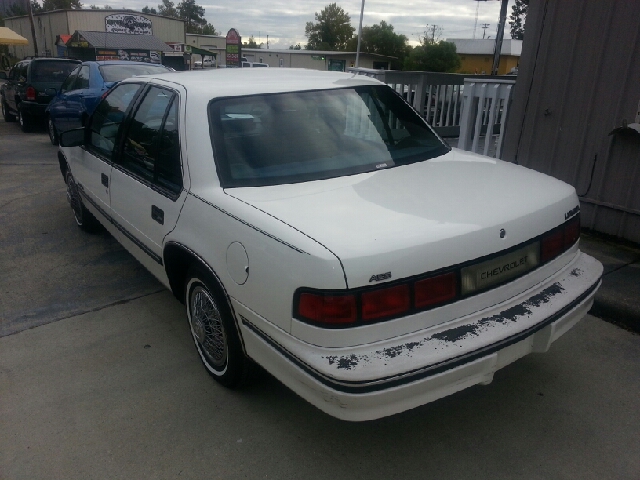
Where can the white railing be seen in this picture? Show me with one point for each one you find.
(484, 114)
(441, 98)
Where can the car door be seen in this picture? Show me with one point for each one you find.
(147, 187)
(18, 71)
(91, 166)
(59, 108)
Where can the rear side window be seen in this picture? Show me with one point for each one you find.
(152, 148)
(83, 78)
(51, 71)
(108, 117)
(117, 73)
(68, 82)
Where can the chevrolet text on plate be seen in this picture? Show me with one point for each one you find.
(313, 223)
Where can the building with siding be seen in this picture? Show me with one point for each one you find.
(476, 56)
(575, 112)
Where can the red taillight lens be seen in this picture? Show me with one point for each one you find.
(432, 291)
(331, 309)
(571, 232)
(31, 93)
(385, 302)
(552, 245)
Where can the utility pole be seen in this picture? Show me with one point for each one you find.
(484, 29)
(267, 42)
(359, 35)
(499, 36)
(33, 28)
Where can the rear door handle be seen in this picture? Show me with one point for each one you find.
(157, 214)
(105, 180)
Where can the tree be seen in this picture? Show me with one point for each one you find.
(48, 5)
(167, 9)
(251, 43)
(295, 47)
(192, 14)
(18, 9)
(151, 10)
(433, 57)
(208, 29)
(331, 30)
(517, 18)
(381, 39)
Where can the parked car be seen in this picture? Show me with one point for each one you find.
(79, 94)
(24, 95)
(254, 64)
(313, 223)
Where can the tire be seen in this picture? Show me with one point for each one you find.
(8, 117)
(84, 218)
(213, 330)
(24, 120)
(53, 133)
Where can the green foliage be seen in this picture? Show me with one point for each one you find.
(168, 9)
(295, 47)
(193, 15)
(433, 57)
(49, 5)
(381, 39)
(252, 43)
(151, 10)
(517, 18)
(209, 29)
(19, 9)
(331, 30)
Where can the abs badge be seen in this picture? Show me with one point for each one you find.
(380, 277)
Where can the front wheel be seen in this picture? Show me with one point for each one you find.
(53, 133)
(84, 218)
(214, 330)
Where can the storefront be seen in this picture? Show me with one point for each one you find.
(85, 45)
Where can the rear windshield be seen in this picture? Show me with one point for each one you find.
(117, 73)
(302, 136)
(51, 71)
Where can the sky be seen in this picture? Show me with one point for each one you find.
(284, 20)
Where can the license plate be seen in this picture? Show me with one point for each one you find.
(500, 269)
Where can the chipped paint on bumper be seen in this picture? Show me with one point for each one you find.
(375, 380)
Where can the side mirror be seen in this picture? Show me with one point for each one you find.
(52, 92)
(72, 138)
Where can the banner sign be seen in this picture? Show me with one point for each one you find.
(131, 55)
(234, 48)
(128, 23)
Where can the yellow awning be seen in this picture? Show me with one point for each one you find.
(9, 37)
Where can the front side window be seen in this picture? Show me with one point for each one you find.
(108, 117)
(303, 136)
(152, 148)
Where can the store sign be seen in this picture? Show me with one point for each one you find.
(127, 23)
(131, 55)
(234, 48)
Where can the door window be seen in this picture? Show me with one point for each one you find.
(68, 82)
(108, 117)
(83, 78)
(152, 147)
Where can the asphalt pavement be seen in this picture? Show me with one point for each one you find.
(99, 377)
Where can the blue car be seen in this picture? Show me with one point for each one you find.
(82, 89)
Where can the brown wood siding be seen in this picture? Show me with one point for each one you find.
(579, 77)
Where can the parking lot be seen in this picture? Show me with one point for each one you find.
(99, 379)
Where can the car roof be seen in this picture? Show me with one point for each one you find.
(229, 82)
(120, 62)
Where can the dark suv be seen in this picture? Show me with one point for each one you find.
(24, 94)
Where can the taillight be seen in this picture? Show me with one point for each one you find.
(435, 290)
(560, 240)
(385, 302)
(328, 309)
(31, 93)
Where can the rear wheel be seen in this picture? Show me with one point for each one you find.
(25, 120)
(8, 116)
(214, 330)
(53, 133)
(84, 218)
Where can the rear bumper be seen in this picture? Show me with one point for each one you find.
(33, 109)
(370, 381)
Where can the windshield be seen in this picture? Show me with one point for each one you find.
(302, 136)
(51, 71)
(117, 73)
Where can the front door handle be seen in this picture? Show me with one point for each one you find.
(157, 214)
(105, 180)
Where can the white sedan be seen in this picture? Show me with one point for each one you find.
(313, 223)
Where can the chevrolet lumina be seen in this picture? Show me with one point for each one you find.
(313, 223)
